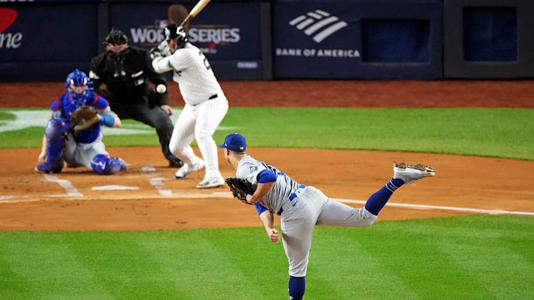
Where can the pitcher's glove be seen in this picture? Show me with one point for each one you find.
(83, 118)
(240, 188)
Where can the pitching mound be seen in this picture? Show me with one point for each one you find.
(147, 196)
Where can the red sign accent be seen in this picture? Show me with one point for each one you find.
(7, 17)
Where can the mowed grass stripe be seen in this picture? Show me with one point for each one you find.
(271, 263)
(460, 257)
(122, 267)
(424, 267)
(495, 132)
(10, 280)
(359, 272)
(45, 266)
(478, 263)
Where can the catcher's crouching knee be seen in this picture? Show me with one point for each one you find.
(105, 165)
(55, 129)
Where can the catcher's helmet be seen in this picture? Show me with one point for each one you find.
(173, 31)
(116, 37)
(76, 77)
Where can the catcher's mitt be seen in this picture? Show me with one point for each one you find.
(83, 118)
(240, 188)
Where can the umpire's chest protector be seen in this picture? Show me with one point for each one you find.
(125, 74)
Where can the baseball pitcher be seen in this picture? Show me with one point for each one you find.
(301, 207)
(205, 105)
(73, 133)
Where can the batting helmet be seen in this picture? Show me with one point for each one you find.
(76, 77)
(173, 31)
(116, 37)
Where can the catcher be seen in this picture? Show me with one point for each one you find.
(301, 207)
(73, 133)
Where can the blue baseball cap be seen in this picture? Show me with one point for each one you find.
(234, 142)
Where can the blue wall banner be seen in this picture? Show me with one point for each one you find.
(48, 33)
(319, 39)
(488, 39)
(234, 34)
(45, 42)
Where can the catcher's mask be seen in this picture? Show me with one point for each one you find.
(77, 81)
(173, 31)
(116, 42)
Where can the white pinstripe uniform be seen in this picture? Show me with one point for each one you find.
(205, 107)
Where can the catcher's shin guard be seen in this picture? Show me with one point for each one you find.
(55, 143)
(105, 165)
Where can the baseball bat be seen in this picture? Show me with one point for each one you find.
(195, 11)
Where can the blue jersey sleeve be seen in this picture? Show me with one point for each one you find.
(93, 99)
(56, 105)
(100, 103)
(260, 208)
(266, 176)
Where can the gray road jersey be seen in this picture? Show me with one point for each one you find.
(249, 168)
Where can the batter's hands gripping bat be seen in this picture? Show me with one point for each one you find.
(195, 11)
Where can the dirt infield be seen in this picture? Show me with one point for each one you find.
(72, 201)
(324, 93)
(77, 199)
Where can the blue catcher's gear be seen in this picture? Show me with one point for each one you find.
(103, 164)
(69, 102)
(55, 132)
(75, 78)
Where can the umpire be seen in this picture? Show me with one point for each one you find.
(121, 75)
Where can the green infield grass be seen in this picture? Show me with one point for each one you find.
(495, 132)
(470, 257)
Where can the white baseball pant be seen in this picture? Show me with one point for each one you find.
(199, 122)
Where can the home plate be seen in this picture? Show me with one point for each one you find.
(114, 188)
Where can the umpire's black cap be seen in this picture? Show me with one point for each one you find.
(116, 37)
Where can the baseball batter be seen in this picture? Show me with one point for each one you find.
(82, 147)
(302, 207)
(205, 106)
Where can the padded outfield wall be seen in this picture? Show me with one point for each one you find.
(284, 39)
(52, 37)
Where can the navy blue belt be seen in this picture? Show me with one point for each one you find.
(291, 197)
(214, 96)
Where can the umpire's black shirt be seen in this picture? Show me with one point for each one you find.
(126, 77)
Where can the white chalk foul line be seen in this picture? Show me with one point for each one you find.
(157, 182)
(65, 184)
(114, 188)
(450, 208)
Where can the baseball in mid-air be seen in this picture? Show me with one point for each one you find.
(161, 88)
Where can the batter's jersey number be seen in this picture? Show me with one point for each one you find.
(205, 60)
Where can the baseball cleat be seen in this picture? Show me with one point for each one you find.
(209, 183)
(45, 168)
(188, 168)
(409, 173)
(175, 163)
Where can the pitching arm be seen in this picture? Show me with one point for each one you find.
(267, 219)
(261, 190)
